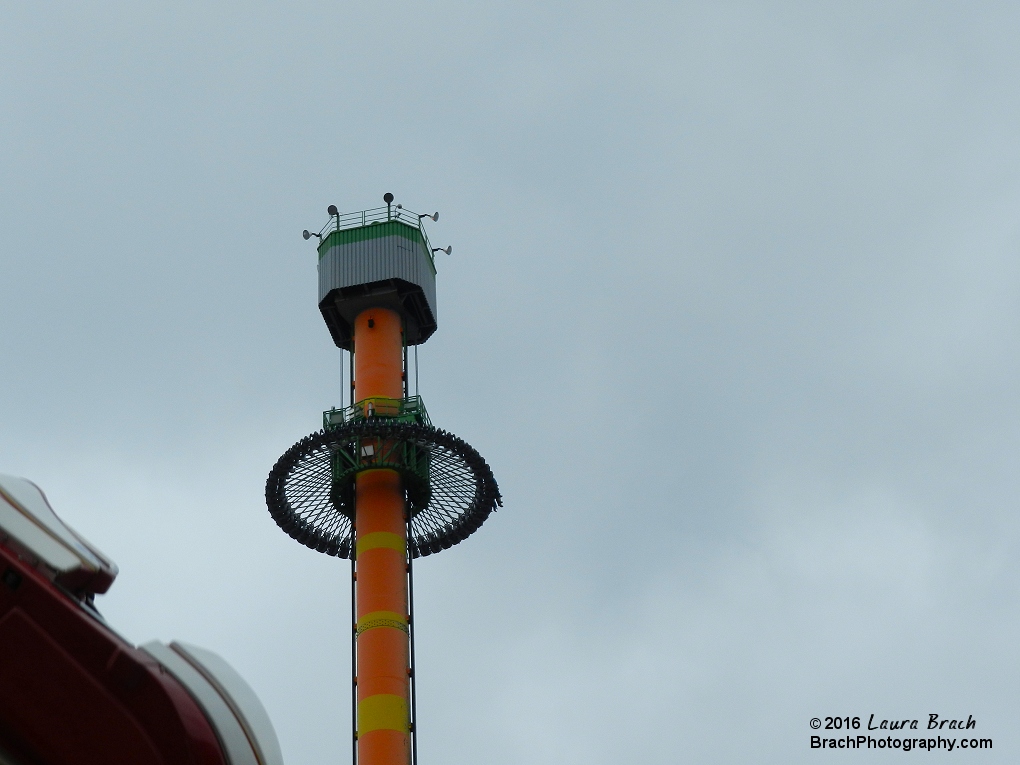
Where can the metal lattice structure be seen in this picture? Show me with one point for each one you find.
(450, 489)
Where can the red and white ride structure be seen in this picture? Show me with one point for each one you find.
(74, 692)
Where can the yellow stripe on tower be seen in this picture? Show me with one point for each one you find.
(382, 619)
(383, 711)
(378, 539)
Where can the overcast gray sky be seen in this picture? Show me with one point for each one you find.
(731, 312)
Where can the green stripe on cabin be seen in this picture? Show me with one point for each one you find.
(371, 231)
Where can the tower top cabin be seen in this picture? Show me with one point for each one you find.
(378, 258)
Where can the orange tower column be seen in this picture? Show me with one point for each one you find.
(381, 549)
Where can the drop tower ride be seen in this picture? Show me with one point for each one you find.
(379, 484)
